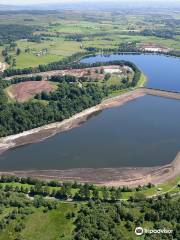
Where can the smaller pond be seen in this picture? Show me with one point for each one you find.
(163, 72)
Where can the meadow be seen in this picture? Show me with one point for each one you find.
(57, 35)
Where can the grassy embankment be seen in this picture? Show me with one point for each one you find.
(142, 81)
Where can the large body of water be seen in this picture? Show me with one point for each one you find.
(144, 132)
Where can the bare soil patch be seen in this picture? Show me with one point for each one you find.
(23, 91)
(127, 176)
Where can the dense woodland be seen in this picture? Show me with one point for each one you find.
(104, 221)
(17, 117)
(10, 33)
(98, 214)
(67, 100)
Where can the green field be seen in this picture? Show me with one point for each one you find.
(56, 50)
(63, 34)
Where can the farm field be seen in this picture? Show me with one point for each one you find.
(56, 50)
(55, 37)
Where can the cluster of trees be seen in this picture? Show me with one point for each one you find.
(92, 49)
(25, 79)
(175, 53)
(89, 95)
(35, 38)
(128, 47)
(18, 207)
(161, 33)
(61, 79)
(9, 58)
(98, 220)
(63, 103)
(3, 97)
(78, 37)
(13, 32)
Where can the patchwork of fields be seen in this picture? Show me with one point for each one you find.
(55, 36)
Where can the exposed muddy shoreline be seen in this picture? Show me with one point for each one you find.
(127, 176)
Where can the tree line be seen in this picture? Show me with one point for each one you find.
(59, 65)
(25, 79)
(69, 190)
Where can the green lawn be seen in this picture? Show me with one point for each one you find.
(56, 51)
(142, 81)
(25, 60)
(167, 187)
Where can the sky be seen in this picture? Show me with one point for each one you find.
(26, 2)
(23, 2)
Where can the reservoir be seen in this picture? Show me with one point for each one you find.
(144, 132)
(163, 72)
(141, 133)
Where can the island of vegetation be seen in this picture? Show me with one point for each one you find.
(30, 102)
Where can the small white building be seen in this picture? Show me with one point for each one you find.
(112, 70)
(2, 67)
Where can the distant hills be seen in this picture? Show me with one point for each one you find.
(99, 5)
